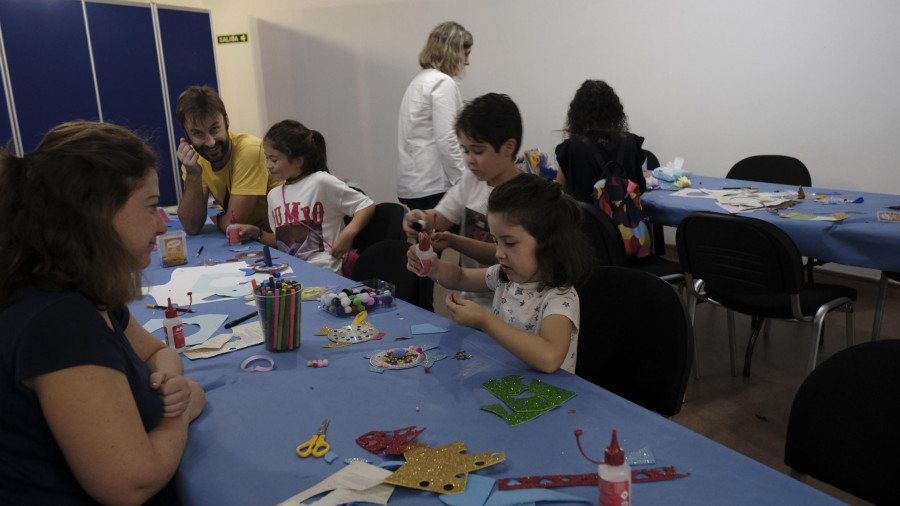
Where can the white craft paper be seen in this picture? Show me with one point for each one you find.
(208, 324)
(359, 482)
(248, 334)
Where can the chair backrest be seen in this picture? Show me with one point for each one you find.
(842, 428)
(651, 162)
(603, 235)
(386, 223)
(635, 338)
(778, 169)
(738, 255)
(387, 260)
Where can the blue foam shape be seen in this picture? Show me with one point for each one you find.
(532, 496)
(330, 457)
(426, 328)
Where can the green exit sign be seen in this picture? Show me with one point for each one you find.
(230, 39)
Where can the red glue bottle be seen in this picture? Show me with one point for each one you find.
(424, 252)
(615, 476)
(233, 231)
(173, 328)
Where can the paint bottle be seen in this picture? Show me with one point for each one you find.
(233, 231)
(424, 252)
(615, 476)
(173, 328)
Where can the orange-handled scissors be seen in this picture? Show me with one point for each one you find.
(316, 446)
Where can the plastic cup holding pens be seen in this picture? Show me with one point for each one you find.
(278, 304)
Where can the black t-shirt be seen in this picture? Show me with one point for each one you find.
(46, 330)
(579, 162)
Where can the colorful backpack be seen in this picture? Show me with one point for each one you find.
(620, 198)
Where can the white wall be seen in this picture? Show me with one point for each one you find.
(707, 80)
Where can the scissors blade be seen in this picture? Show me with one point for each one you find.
(323, 427)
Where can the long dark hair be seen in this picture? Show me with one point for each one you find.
(296, 141)
(596, 108)
(552, 218)
(58, 204)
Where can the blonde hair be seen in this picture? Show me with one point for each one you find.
(445, 48)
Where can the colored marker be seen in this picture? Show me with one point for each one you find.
(240, 320)
(199, 251)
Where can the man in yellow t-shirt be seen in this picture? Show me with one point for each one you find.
(230, 166)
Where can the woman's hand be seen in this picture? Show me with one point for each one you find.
(174, 390)
(466, 312)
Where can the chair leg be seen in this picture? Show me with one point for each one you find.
(879, 305)
(758, 323)
(692, 311)
(851, 324)
(732, 344)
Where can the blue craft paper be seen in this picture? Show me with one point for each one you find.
(531, 496)
(426, 328)
(478, 488)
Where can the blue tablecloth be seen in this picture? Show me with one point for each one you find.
(241, 450)
(860, 240)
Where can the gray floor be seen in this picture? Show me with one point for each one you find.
(750, 415)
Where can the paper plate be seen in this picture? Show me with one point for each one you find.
(380, 359)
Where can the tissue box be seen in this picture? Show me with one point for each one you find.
(172, 248)
(670, 173)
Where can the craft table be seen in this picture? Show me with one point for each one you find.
(241, 450)
(860, 240)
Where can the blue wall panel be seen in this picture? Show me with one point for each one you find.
(129, 80)
(190, 58)
(49, 64)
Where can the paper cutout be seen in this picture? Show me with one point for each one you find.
(426, 328)
(208, 324)
(243, 336)
(588, 479)
(888, 216)
(389, 442)
(813, 217)
(358, 482)
(184, 279)
(443, 469)
(543, 397)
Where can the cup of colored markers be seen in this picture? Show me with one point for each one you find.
(278, 304)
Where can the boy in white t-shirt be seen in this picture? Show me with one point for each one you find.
(490, 133)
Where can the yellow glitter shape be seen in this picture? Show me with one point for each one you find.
(443, 470)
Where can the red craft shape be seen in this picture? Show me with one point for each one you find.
(389, 442)
(574, 480)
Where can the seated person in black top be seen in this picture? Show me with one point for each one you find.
(95, 408)
(597, 130)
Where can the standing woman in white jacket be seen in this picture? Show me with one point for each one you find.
(431, 160)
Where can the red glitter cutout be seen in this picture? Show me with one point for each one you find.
(389, 442)
(574, 480)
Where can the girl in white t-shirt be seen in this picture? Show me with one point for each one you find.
(306, 213)
(541, 254)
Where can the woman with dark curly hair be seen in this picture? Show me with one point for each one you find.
(597, 131)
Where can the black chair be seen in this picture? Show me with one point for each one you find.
(880, 299)
(753, 267)
(777, 169)
(651, 162)
(842, 428)
(635, 338)
(386, 260)
(386, 223)
(609, 247)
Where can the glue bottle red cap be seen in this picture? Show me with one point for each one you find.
(171, 312)
(614, 455)
(233, 219)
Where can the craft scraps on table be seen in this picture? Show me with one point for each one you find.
(359, 331)
(242, 336)
(208, 324)
(888, 216)
(461, 355)
(480, 491)
(357, 482)
(812, 217)
(543, 398)
(443, 469)
(389, 442)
